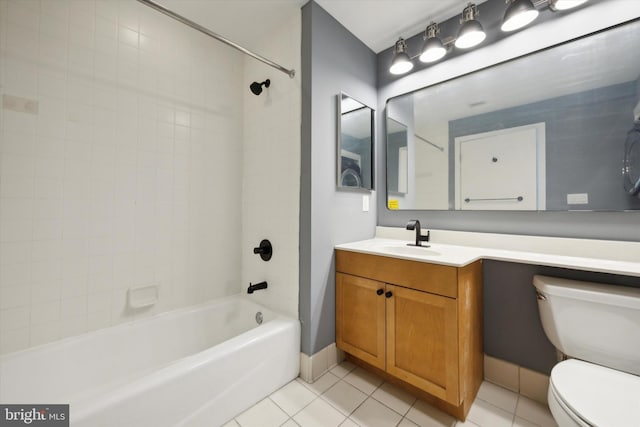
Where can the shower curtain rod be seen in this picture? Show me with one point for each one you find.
(429, 142)
(198, 27)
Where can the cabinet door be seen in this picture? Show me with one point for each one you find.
(360, 322)
(422, 341)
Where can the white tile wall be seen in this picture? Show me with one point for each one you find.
(271, 180)
(130, 172)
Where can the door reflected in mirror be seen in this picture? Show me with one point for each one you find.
(545, 131)
(355, 144)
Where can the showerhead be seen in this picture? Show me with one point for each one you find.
(256, 87)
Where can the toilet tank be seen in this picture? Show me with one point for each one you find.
(591, 321)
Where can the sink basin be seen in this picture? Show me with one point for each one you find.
(410, 250)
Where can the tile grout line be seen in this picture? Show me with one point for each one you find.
(513, 419)
(403, 417)
(361, 403)
(298, 411)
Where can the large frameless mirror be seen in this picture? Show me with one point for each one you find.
(558, 130)
(355, 144)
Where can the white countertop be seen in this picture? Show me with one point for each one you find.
(461, 255)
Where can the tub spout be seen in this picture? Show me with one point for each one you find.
(256, 287)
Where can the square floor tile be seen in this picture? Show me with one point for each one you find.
(344, 397)
(394, 397)
(349, 423)
(231, 423)
(535, 412)
(290, 423)
(320, 385)
(263, 414)
(521, 422)
(498, 396)
(293, 397)
(342, 369)
(407, 423)
(363, 380)
(485, 414)
(426, 415)
(319, 414)
(466, 423)
(374, 414)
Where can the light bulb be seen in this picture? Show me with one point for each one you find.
(566, 4)
(519, 14)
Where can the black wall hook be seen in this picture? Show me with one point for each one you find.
(265, 250)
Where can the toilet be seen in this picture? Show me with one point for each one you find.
(598, 327)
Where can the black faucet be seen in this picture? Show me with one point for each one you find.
(414, 224)
(256, 287)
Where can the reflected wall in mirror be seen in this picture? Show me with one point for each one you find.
(355, 144)
(547, 131)
(397, 157)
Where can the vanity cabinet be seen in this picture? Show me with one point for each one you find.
(417, 323)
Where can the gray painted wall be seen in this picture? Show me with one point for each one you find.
(512, 328)
(333, 61)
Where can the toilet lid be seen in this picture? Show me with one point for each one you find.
(598, 395)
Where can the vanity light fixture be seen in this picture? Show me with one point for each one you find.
(565, 4)
(433, 49)
(519, 13)
(471, 32)
(401, 62)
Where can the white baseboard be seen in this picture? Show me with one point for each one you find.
(313, 367)
(516, 378)
(513, 377)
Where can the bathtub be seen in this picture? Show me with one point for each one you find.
(198, 366)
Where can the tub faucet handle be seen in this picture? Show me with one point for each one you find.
(264, 249)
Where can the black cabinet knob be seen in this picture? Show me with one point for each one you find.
(389, 294)
(379, 291)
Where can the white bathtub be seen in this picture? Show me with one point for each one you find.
(193, 367)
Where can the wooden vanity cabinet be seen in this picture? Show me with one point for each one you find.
(417, 324)
(360, 324)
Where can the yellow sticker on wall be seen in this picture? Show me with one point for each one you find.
(393, 204)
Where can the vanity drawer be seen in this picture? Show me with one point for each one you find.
(422, 276)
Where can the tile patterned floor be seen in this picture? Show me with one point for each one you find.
(350, 397)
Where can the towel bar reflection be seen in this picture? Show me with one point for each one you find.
(500, 199)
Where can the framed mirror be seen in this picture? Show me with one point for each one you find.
(552, 130)
(355, 144)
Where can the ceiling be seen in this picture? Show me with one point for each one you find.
(244, 22)
(377, 23)
(598, 61)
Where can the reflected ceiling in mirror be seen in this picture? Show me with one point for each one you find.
(546, 131)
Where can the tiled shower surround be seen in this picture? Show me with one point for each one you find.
(121, 165)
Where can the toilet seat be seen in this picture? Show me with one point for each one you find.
(593, 395)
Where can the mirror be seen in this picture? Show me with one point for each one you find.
(552, 130)
(355, 144)
(397, 158)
